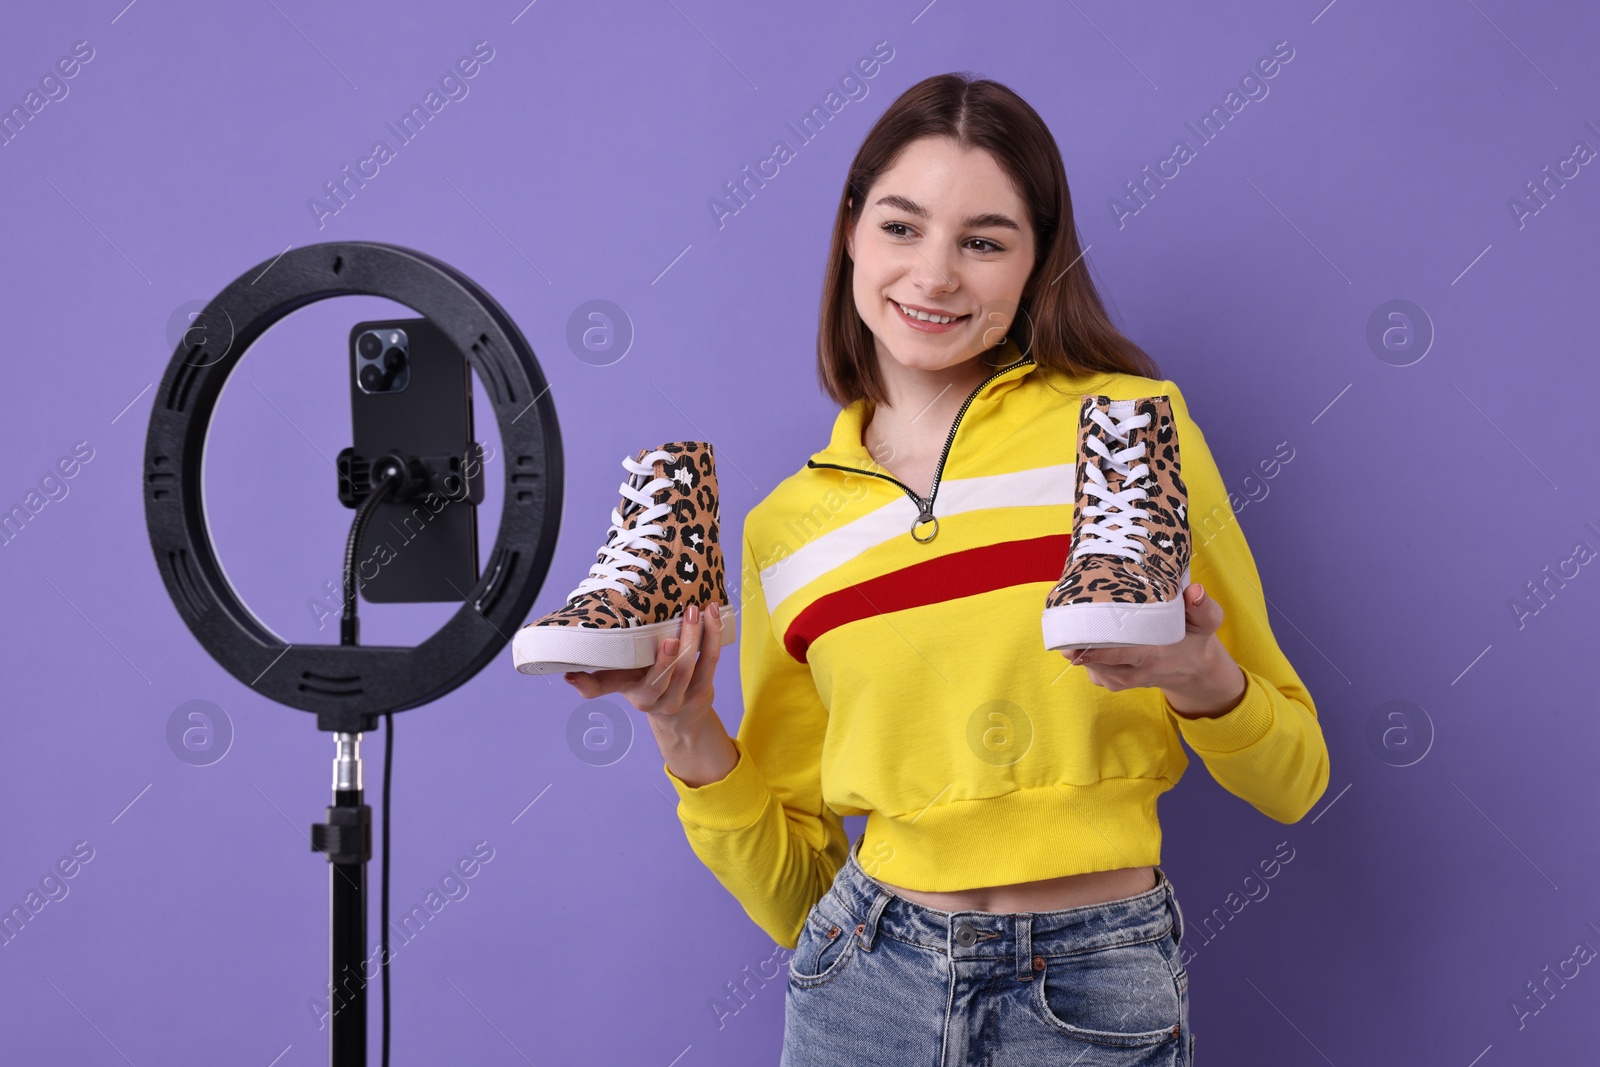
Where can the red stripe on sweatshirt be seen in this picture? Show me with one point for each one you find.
(965, 573)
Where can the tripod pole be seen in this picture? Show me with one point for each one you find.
(346, 838)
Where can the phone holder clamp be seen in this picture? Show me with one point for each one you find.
(445, 477)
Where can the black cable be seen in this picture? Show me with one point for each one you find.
(388, 759)
(391, 476)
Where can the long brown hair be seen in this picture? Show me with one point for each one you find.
(1063, 323)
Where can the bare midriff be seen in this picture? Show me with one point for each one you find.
(1048, 894)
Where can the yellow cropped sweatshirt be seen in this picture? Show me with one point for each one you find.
(908, 681)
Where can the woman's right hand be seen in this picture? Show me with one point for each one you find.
(675, 691)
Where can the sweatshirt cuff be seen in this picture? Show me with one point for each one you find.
(1241, 727)
(732, 802)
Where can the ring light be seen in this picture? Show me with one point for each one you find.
(349, 687)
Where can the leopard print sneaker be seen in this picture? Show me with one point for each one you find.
(661, 555)
(1129, 564)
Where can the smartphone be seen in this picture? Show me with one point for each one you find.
(411, 392)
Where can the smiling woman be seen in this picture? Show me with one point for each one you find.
(937, 291)
(1005, 896)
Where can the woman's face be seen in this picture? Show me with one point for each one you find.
(942, 231)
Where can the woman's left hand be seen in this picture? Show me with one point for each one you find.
(1197, 674)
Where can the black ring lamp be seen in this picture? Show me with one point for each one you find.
(349, 686)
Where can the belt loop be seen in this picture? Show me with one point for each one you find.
(1177, 911)
(1024, 935)
(867, 932)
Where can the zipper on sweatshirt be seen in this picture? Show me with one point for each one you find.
(925, 507)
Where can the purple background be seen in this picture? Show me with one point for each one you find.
(1420, 503)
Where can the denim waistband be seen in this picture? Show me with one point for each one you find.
(871, 910)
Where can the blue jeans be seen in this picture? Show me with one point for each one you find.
(877, 979)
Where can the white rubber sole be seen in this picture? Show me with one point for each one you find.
(1115, 625)
(559, 649)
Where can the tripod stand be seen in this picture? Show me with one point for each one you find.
(346, 838)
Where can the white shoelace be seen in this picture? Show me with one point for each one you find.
(611, 571)
(1113, 535)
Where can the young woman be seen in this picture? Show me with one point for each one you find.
(1003, 904)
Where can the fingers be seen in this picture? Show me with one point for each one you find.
(658, 675)
(705, 667)
(680, 669)
(672, 681)
(1107, 657)
(1201, 613)
(591, 684)
(587, 685)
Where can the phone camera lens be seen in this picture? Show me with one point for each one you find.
(371, 378)
(394, 359)
(369, 346)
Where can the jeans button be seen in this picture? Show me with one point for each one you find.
(966, 936)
